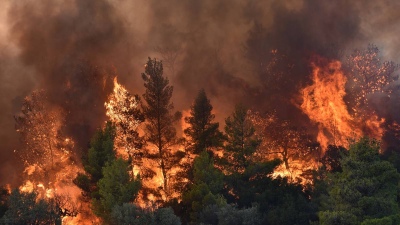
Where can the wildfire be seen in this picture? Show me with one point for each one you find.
(323, 103)
(50, 165)
(120, 108)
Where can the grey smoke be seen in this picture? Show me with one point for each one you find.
(222, 46)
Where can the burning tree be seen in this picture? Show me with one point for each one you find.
(160, 130)
(323, 102)
(39, 126)
(45, 150)
(368, 75)
(124, 112)
(289, 143)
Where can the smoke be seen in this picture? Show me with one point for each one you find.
(255, 52)
(73, 47)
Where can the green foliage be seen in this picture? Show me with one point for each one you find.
(204, 172)
(332, 157)
(366, 189)
(130, 214)
(241, 141)
(230, 215)
(25, 208)
(166, 216)
(245, 188)
(100, 152)
(249, 182)
(159, 128)
(115, 188)
(207, 184)
(289, 205)
(337, 218)
(203, 133)
(381, 221)
(393, 156)
(4, 195)
(279, 201)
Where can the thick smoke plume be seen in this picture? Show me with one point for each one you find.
(256, 52)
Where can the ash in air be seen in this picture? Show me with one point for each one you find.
(256, 52)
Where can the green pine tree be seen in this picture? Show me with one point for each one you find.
(366, 190)
(100, 152)
(206, 188)
(241, 141)
(202, 132)
(115, 188)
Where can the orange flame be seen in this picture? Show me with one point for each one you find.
(119, 102)
(323, 103)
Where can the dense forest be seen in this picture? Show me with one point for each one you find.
(205, 176)
(211, 112)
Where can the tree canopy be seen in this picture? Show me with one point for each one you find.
(202, 131)
(365, 191)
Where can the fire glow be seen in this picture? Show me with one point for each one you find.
(275, 57)
(323, 103)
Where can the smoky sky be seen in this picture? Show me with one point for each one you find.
(73, 49)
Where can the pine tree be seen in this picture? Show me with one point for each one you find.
(366, 190)
(115, 188)
(241, 141)
(159, 128)
(202, 135)
(202, 132)
(206, 188)
(124, 112)
(100, 152)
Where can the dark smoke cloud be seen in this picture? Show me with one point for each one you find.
(226, 46)
(15, 82)
(74, 48)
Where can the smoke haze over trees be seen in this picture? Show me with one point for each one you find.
(234, 50)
